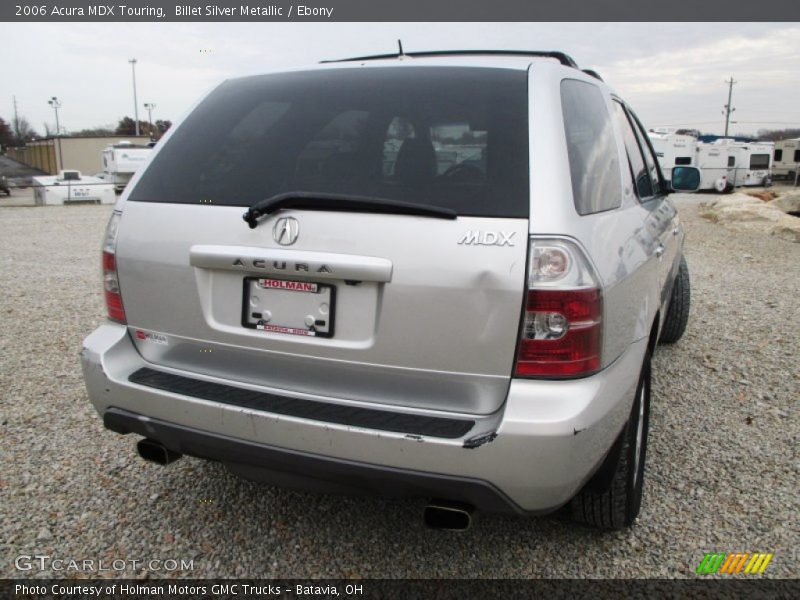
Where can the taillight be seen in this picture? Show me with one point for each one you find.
(562, 332)
(111, 289)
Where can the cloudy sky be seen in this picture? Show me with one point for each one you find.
(672, 74)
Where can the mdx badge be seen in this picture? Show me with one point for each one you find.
(286, 231)
(487, 238)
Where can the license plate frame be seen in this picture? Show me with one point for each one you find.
(288, 289)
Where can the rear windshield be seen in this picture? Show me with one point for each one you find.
(449, 137)
(759, 161)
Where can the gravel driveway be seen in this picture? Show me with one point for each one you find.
(722, 472)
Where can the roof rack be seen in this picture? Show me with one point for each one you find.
(561, 57)
(592, 73)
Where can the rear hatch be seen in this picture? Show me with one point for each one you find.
(358, 300)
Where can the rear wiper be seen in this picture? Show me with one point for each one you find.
(341, 202)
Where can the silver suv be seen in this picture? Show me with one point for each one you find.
(450, 277)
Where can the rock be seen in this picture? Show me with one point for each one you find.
(44, 535)
(744, 213)
(787, 202)
(787, 229)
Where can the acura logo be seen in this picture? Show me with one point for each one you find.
(286, 231)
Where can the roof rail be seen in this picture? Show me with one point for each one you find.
(592, 73)
(561, 57)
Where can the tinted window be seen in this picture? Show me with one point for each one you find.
(683, 160)
(797, 156)
(644, 185)
(759, 161)
(649, 158)
(593, 158)
(778, 155)
(444, 136)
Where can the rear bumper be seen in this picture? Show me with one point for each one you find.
(550, 435)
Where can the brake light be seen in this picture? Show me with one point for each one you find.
(111, 289)
(562, 326)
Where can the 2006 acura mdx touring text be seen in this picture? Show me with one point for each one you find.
(451, 275)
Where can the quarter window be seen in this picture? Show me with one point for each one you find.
(778, 155)
(593, 158)
(644, 185)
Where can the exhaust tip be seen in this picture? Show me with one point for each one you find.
(156, 452)
(448, 516)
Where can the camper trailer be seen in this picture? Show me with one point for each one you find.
(71, 187)
(673, 149)
(786, 158)
(121, 161)
(756, 164)
(718, 163)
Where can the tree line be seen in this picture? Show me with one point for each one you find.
(19, 132)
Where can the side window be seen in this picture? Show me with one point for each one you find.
(778, 155)
(592, 150)
(731, 161)
(399, 131)
(797, 156)
(683, 160)
(644, 185)
(649, 159)
(759, 161)
(459, 146)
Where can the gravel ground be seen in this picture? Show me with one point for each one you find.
(722, 472)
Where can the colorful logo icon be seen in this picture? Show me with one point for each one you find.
(741, 562)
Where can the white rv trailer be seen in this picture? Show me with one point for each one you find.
(70, 187)
(121, 161)
(786, 158)
(718, 162)
(673, 149)
(756, 164)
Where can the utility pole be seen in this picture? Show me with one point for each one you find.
(150, 107)
(56, 104)
(728, 109)
(135, 102)
(16, 120)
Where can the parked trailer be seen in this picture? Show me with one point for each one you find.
(757, 164)
(673, 149)
(786, 158)
(718, 164)
(70, 187)
(121, 161)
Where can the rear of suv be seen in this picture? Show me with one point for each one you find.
(437, 275)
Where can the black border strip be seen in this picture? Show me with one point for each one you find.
(368, 418)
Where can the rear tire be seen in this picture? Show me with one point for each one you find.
(613, 498)
(679, 303)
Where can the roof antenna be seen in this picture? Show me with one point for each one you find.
(400, 48)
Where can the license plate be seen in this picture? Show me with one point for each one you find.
(289, 307)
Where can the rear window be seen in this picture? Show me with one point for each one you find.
(449, 137)
(759, 161)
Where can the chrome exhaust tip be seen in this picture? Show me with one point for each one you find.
(156, 452)
(448, 516)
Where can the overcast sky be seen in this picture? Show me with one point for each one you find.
(672, 74)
